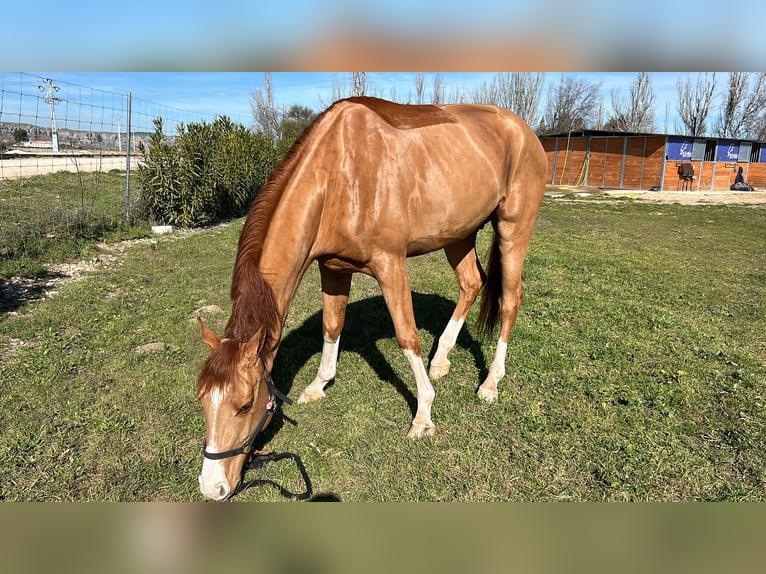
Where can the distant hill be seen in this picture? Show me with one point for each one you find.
(71, 139)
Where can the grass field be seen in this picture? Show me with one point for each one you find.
(636, 371)
(59, 217)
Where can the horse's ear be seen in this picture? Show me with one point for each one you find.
(252, 348)
(210, 338)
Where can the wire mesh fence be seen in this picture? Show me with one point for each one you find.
(66, 154)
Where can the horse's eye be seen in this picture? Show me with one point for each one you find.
(246, 408)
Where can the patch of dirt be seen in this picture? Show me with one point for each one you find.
(695, 197)
(755, 198)
(152, 347)
(17, 291)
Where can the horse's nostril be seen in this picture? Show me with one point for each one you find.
(223, 491)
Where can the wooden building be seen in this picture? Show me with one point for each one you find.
(615, 160)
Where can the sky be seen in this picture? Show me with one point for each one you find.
(204, 95)
(395, 34)
(208, 57)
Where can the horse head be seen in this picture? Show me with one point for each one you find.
(235, 390)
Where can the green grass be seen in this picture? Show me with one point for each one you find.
(60, 217)
(636, 371)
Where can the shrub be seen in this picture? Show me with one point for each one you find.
(210, 171)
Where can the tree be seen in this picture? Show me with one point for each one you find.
(358, 86)
(438, 95)
(694, 103)
(571, 105)
(358, 83)
(20, 135)
(420, 85)
(739, 113)
(274, 123)
(294, 121)
(520, 92)
(637, 113)
(265, 115)
(757, 130)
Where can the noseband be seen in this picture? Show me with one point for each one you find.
(257, 460)
(271, 407)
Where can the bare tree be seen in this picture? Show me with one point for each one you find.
(571, 105)
(741, 107)
(339, 90)
(520, 92)
(637, 113)
(420, 85)
(457, 95)
(358, 83)
(758, 129)
(265, 115)
(599, 123)
(358, 86)
(694, 103)
(438, 95)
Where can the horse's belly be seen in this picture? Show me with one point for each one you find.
(435, 225)
(428, 244)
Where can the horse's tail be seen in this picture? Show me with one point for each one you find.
(493, 288)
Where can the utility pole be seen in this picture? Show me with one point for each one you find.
(127, 162)
(118, 117)
(52, 100)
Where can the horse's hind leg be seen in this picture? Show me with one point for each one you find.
(335, 290)
(470, 278)
(513, 238)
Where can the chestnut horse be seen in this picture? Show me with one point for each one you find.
(367, 185)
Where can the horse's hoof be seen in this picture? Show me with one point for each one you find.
(488, 395)
(439, 371)
(307, 397)
(419, 431)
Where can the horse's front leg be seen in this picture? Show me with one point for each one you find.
(391, 274)
(335, 290)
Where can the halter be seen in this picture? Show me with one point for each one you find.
(271, 406)
(258, 460)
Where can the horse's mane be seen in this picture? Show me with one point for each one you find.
(253, 299)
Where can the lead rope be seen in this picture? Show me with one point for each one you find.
(259, 460)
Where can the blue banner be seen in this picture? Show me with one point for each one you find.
(727, 150)
(680, 148)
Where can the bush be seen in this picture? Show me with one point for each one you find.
(209, 172)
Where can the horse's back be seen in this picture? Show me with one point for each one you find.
(496, 135)
(422, 176)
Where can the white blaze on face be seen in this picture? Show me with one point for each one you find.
(212, 481)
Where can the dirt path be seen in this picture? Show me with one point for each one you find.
(16, 291)
(695, 197)
(23, 166)
(681, 197)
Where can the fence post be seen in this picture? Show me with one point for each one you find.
(127, 165)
